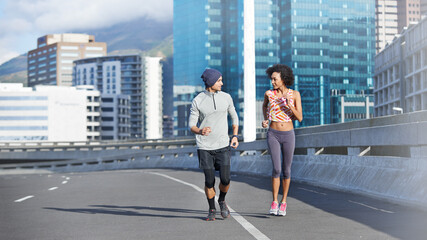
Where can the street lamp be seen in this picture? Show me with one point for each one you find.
(398, 109)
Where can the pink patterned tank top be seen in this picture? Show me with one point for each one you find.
(278, 108)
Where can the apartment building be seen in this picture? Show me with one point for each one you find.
(136, 76)
(409, 12)
(51, 63)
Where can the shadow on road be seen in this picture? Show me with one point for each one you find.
(140, 211)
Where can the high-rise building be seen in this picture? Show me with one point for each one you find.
(133, 75)
(330, 45)
(401, 73)
(409, 12)
(51, 63)
(386, 22)
(48, 113)
(209, 34)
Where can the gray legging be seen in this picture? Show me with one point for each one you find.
(281, 143)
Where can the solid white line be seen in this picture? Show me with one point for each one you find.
(53, 188)
(23, 199)
(241, 220)
(378, 209)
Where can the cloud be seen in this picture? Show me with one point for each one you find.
(41, 17)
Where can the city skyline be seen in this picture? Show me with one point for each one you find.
(23, 21)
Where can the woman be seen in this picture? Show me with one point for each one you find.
(281, 106)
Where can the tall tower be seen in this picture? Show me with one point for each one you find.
(329, 44)
(386, 22)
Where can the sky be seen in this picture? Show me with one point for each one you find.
(23, 21)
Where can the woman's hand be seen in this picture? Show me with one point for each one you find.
(265, 123)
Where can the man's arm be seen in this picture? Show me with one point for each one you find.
(235, 124)
(194, 118)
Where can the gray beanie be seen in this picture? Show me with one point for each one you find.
(210, 76)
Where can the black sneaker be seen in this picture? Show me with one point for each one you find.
(211, 215)
(225, 213)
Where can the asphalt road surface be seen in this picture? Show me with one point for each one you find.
(170, 204)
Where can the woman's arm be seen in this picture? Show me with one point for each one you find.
(297, 110)
(264, 111)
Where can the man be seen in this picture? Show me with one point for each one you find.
(208, 120)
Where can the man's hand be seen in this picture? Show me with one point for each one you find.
(205, 131)
(234, 142)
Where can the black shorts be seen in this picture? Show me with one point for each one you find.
(214, 159)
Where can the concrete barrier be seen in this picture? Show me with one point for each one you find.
(385, 159)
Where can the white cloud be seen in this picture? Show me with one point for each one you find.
(40, 17)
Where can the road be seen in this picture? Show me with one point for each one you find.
(170, 204)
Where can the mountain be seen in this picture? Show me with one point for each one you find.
(141, 35)
(14, 65)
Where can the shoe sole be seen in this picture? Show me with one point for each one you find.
(281, 214)
(273, 213)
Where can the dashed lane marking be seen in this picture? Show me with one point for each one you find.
(53, 188)
(309, 190)
(24, 198)
(365, 205)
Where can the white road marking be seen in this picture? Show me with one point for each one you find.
(241, 220)
(378, 209)
(67, 178)
(53, 188)
(64, 182)
(308, 190)
(24, 198)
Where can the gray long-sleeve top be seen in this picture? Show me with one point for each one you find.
(210, 110)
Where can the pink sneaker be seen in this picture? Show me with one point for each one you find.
(274, 208)
(282, 210)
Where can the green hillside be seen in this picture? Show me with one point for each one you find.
(17, 77)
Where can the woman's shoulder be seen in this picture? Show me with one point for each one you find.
(269, 92)
(295, 92)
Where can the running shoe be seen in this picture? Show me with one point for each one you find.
(274, 208)
(211, 215)
(225, 213)
(282, 209)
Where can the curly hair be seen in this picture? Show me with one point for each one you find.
(286, 73)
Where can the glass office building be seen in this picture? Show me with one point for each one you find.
(330, 45)
(209, 34)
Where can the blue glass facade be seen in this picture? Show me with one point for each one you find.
(330, 45)
(209, 34)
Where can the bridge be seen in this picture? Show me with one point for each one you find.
(356, 180)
